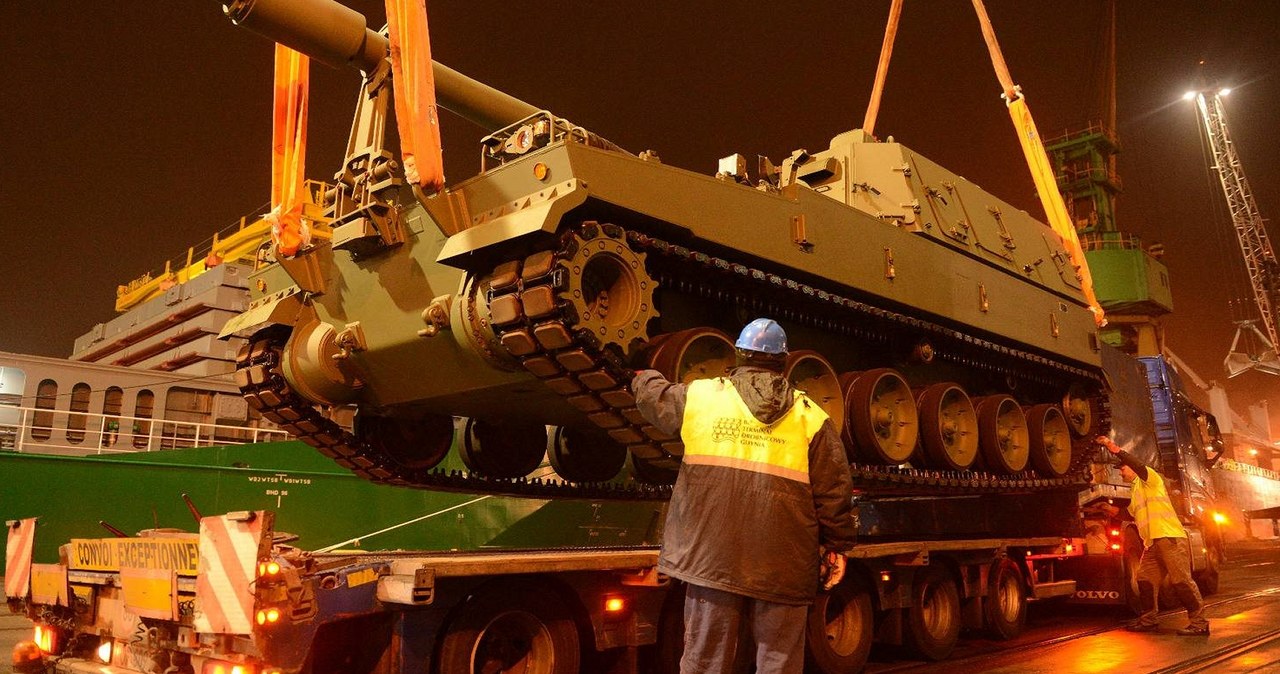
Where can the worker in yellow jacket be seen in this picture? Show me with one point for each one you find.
(1166, 552)
(763, 484)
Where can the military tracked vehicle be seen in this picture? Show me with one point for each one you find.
(943, 330)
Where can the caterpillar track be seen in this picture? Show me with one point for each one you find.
(544, 316)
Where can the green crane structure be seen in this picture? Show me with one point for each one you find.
(1130, 281)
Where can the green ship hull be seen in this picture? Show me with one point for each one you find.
(313, 498)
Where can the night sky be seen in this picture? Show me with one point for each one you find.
(133, 130)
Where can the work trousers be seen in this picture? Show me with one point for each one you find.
(719, 628)
(1171, 558)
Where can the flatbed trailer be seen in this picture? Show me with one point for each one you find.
(251, 606)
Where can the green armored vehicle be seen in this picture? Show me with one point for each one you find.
(944, 330)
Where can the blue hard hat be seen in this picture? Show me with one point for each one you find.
(763, 335)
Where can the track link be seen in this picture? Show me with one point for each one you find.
(538, 325)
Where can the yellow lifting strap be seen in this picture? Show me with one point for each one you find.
(1038, 162)
(288, 151)
(415, 94)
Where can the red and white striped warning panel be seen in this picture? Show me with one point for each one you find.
(230, 546)
(17, 557)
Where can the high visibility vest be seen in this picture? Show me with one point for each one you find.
(720, 430)
(1153, 511)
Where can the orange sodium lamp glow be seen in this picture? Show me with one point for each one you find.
(1219, 518)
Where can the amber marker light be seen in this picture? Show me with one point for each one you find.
(46, 638)
(614, 604)
(885, 576)
(1115, 547)
(216, 667)
(541, 171)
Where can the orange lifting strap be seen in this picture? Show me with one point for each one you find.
(1038, 162)
(882, 69)
(288, 151)
(415, 94)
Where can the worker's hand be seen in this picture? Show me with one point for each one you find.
(1107, 442)
(832, 569)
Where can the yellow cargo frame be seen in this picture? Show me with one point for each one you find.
(240, 241)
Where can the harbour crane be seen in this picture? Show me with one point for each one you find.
(1259, 257)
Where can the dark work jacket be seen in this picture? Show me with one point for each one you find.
(746, 532)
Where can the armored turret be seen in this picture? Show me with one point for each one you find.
(942, 329)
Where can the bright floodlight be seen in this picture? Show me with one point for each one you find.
(1189, 95)
(1224, 91)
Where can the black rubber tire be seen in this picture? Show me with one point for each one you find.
(1005, 607)
(933, 619)
(511, 627)
(419, 443)
(502, 450)
(584, 456)
(839, 632)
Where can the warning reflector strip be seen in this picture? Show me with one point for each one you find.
(229, 550)
(17, 558)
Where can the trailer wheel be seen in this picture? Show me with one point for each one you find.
(508, 628)
(933, 619)
(1006, 601)
(839, 632)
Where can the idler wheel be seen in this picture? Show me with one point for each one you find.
(1002, 434)
(1050, 440)
(583, 455)
(883, 423)
(652, 471)
(415, 442)
(1078, 411)
(503, 450)
(948, 426)
(696, 353)
(813, 374)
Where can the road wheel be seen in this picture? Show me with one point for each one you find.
(838, 634)
(1006, 601)
(933, 619)
(509, 628)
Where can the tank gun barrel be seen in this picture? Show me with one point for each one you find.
(337, 35)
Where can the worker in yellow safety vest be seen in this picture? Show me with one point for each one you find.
(763, 488)
(1166, 552)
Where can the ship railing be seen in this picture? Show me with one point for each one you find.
(1248, 469)
(42, 430)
